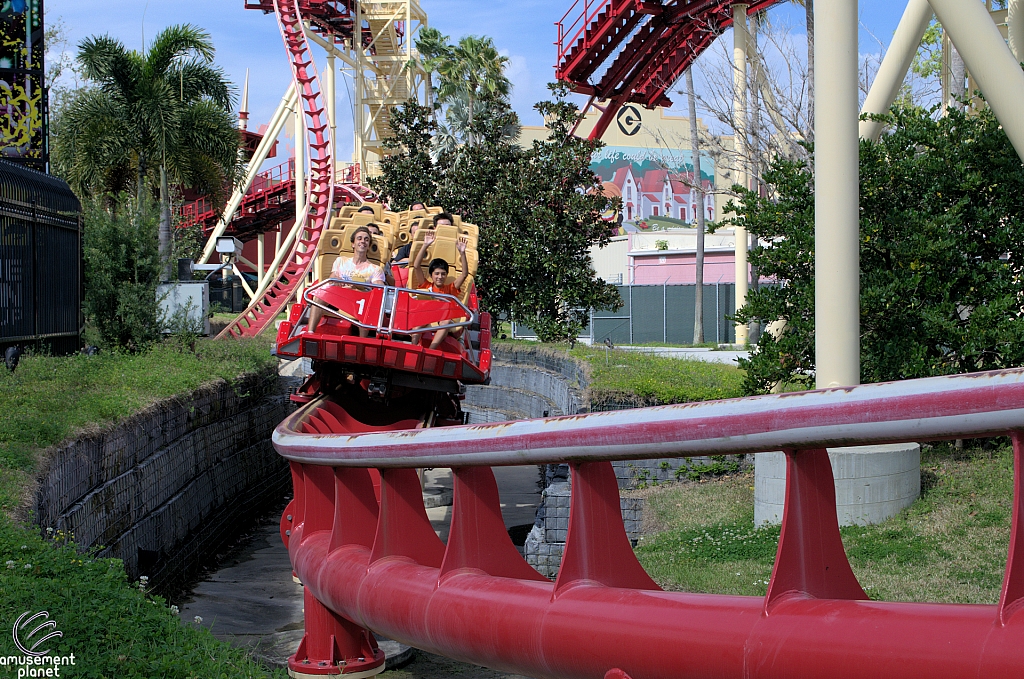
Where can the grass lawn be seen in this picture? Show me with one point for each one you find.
(114, 628)
(48, 398)
(666, 380)
(949, 546)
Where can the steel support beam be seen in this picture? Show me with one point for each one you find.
(277, 121)
(895, 64)
(989, 61)
(836, 195)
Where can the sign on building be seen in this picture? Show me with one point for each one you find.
(22, 94)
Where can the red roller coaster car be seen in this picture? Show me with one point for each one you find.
(395, 361)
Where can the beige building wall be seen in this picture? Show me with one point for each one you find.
(655, 130)
(611, 263)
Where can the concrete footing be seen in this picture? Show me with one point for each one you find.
(872, 483)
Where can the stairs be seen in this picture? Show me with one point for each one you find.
(644, 46)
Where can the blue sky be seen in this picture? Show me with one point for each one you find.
(523, 30)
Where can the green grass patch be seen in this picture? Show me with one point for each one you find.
(949, 546)
(47, 399)
(657, 378)
(114, 628)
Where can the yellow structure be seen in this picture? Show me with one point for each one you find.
(385, 68)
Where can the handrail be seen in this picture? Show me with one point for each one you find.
(959, 406)
(370, 560)
(583, 20)
(391, 294)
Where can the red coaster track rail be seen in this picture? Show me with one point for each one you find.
(633, 51)
(320, 189)
(369, 559)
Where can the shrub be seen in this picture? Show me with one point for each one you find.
(122, 269)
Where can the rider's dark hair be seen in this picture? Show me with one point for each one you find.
(438, 263)
(364, 229)
(443, 215)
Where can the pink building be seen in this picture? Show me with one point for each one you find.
(670, 258)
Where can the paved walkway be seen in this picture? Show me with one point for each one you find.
(710, 355)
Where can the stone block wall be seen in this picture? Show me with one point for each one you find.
(546, 542)
(170, 485)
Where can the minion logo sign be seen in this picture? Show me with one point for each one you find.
(628, 120)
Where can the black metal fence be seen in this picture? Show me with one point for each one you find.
(661, 314)
(40, 261)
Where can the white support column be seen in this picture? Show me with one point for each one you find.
(260, 257)
(989, 60)
(358, 85)
(300, 161)
(277, 123)
(836, 194)
(331, 94)
(739, 116)
(895, 64)
(1015, 28)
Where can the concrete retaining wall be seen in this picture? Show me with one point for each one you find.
(170, 485)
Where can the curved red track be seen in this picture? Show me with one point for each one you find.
(319, 190)
(624, 51)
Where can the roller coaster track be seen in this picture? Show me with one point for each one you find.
(633, 51)
(360, 541)
(320, 189)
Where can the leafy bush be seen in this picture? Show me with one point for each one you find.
(122, 269)
(942, 229)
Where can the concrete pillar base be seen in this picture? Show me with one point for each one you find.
(872, 483)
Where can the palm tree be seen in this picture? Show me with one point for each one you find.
(164, 114)
(472, 71)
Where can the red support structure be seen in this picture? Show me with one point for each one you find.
(370, 561)
(643, 47)
(320, 189)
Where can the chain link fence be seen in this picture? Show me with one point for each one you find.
(661, 314)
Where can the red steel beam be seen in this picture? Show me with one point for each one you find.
(651, 61)
(956, 406)
(370, 559)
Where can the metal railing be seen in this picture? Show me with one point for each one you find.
(376, 564)
(386, 302)
(567, 35)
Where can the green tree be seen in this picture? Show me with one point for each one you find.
(407, 174)
(162, 115)
(542, 218)
(122, 268)
(538, 211)
(942, 254)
